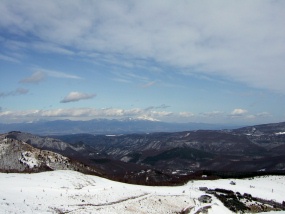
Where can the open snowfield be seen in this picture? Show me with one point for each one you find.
(72, 192)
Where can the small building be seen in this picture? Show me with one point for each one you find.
(211, 192)
(203, 188)
(205, 199)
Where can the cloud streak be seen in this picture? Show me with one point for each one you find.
(40, 75)
(58, 74)
(35, 78)
(8, 58)
(76, 96)
(18, 91)
(212, 114)
(149, 84)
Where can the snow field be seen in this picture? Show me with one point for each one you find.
(265, 187)
(73, 192)
(78, 193)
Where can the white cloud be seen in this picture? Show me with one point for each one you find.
(161, 113)
(239, 40)
(238, 112)
(145, 117)
(82, 113)
(76, 96)
(119, 113)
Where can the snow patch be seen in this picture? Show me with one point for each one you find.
(29, 159)
(279, 133)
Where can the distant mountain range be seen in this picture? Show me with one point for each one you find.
(149, 158)
(254, 148)
(104, 126)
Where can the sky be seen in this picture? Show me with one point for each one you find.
(203, 61)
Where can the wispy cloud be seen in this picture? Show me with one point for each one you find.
(212, 114)
(129, 77)
(51, 48)
(40, 75)
(162, 106)
(257, 116)
(59, 74)
(35, 78)
(186, 114)
(18, 91)
(62, 75)
(229, 41)
(8, 58)
(263, 114)
(149, 84)
(76, 96)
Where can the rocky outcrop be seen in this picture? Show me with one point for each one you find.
(18, 156)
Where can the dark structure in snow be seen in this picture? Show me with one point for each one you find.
(203, 188)
(205, 199)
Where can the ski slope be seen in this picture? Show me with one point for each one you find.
(71, 192)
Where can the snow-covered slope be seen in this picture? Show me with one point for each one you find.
(18, 156)
(67, 191)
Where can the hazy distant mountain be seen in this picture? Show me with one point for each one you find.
(104, 126)
(270, 128)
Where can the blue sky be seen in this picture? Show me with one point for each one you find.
(174, 61)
